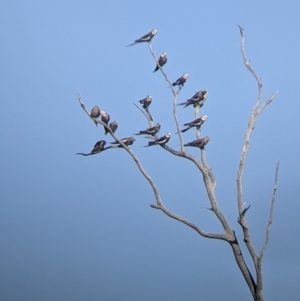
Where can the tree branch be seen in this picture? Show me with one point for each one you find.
(270, 220)
(175, 94)
(147, 116)
(255, 112)
(134, 157)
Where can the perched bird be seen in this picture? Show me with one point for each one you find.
(105, 118)
(161, 141)
(95, 113)
(113, 126)
(98, 148)
(181, 80)
(150, 131)
(126, 141)
(197, 122)
(161, 61)
(146, 38)
(196, 100)
(199, 142)
(146, 101)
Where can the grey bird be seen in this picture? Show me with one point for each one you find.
(181, 80)
(126, 141)
(95, 113)
(105, 118)
(195, 123)
(161, 61)
(98, 148)
(145, 38)
(146, 101)
(196, 100)
(113, 126)
(161, 141)
(150, 131)
(199, 142)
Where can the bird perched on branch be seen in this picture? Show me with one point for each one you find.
(105, 118)
(113, 126)
(150, 131)
(181, 80)
(145, 38)
(98, 148)
(196, 100)
(161, 61)
(161, 141)
(126, 141)
(197, 122)
(95, 113)
(199, 142)
(146, 101)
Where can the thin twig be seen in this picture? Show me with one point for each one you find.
(271, 214)
(147, 116)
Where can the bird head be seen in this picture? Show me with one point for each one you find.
(204, 117)
(185, 75)
(164, 54)
(154, 31)
(102, 113)
(206, 139)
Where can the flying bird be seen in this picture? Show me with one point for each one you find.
(98, 148)
(150, 131)
(146, 101)
(126, 141)
(146, 38)
(161, 141)
(181, 80)
(196, 100)
(199, 142)
(161, 61)
(197, 122)
(95, 113)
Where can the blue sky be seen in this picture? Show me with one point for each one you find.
(81, 228)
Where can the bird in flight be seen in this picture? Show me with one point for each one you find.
(181, 80)
(199, 142)
(161, 141)
(145, 38)
(161, 61)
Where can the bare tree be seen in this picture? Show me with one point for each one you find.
(254, 282)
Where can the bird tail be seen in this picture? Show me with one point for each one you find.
(82, 154)
(150, 143)
(184, 130)
(174, 84)
(131, 44)
(182, 103)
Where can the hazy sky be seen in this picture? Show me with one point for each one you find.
(81, 228)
